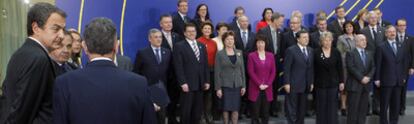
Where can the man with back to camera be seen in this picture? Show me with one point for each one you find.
(101, 93)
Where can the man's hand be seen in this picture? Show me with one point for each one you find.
(411, 71)
(365, 80)
(185, 88)
(219, 93)
(341, 86)
(156, 107)
(287, 88)
(206, 86)
(377, 83)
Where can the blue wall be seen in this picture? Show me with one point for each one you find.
(141, 15)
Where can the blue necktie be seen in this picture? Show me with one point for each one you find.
(157, 54)
(363, 57)
(305, 54)
(394, 48)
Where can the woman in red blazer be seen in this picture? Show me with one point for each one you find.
(262, 71)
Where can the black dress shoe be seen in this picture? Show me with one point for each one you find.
(375, 112)
(343, 112)
(402, 112)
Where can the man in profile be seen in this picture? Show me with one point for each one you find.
(30, 72)
(101, 93)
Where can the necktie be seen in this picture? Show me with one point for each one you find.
(169, 39)
(305, 53)
(363, 57)
(274, 37)
(157, 54)
(185, 19)
(401, 38)
(196, 51)
(394, 48)
(244, 38)
(374, 36)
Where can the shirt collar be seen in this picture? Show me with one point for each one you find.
(182, 15)
(360, 49)
(375, 27)
(153, 48)
(190, 41)
(165, 33)
(101, 58)
(301, 47)
(37, 41)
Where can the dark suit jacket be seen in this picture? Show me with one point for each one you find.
(124, 62)
(335, 28)
(146, 64)
(391, 69)
(27, 87)
(384, 23)
(178, 23)
(298, 70)
(175, 38)
(101, 93)
(288, 40)
(357, 70)
(373, 43)
(188, 69)
(268, 33)
(328, 71)
(239, 42)
(234, 27)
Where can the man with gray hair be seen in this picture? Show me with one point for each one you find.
(375, 36)
(391, 75)
(156, 71)
(101, 93)
(361, 69)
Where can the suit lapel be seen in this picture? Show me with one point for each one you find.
(152, 55)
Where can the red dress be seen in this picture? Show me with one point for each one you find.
(211, 47)
(261, 25)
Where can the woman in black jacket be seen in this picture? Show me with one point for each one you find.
(328, 77)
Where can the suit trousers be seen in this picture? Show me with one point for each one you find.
(295, 104)
(390, 104)
(191, 104)
(357, 106)
(326, 105)
(403, 97)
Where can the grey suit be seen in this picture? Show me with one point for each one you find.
(358, 92)
(228, 74)
(379, 39)
(124, 62)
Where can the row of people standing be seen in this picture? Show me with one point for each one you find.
(344, 37)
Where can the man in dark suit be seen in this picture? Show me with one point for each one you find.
(289, 38)
(321, 23)
(273, 36)
(27, 87)
(381, 22)
(391, 75)
(361, 68)
(154, 62)
(101, 93)
(375, 37)
(238, 12)
(169, 39)
(403, 38)
(61, 55)
(180, 17)
(373, 32)
(244, 39)
(123, 62)
(336, 25)
(191, 69)
(298, 78)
